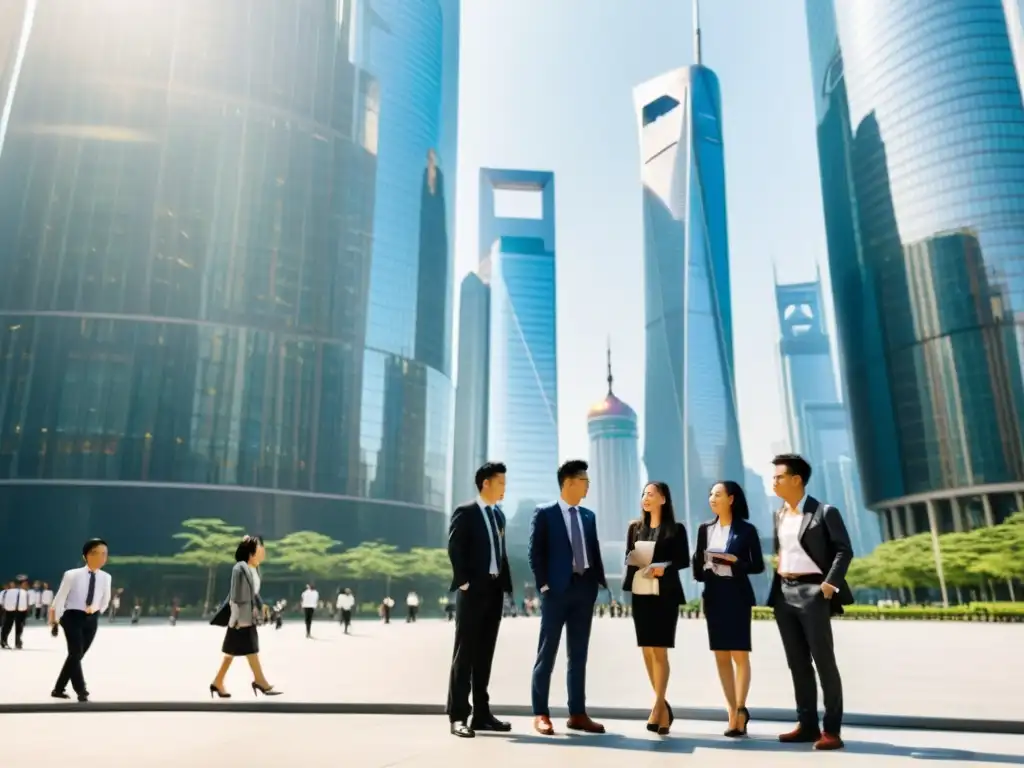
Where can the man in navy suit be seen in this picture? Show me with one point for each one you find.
(565, 558)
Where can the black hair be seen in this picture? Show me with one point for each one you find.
(487, 471)
(571, 468)
(91, 544)
(795, 464)
(668, 522)
(740, 508)
(247, 548)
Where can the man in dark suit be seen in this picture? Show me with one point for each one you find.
(809, 587)
(565, 558)
(481, 579)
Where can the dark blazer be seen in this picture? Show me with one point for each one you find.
(550, 551)
(469, 548)
(744, 543)
(823, 536)
(673, 549)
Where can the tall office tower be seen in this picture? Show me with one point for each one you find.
(411, 48)
(471, 394)
(921, 151)
(186, 206)
(517, 253)
(762, 508)
(817, 422)
(615, 470)
(691, 437)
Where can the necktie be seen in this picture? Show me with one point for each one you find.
(494, 536)
(91, 593)
(21, 594)
(576, 537)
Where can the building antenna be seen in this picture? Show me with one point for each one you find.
(696, 32)
(609, 366)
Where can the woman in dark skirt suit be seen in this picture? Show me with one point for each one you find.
(241, 638)
(655, 616)
(728, 551)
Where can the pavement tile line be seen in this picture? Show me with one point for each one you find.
(853, 720)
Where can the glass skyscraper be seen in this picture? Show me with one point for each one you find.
(921, 149)
(187, 207)
(691, 437)
(517, 365)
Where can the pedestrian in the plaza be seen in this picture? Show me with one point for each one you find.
(385, 608)
(239, 614)
(310, 600)
(412, 607)
(16, 609)
(346, 602)
(565, 557)
(728, 552)
(480, 579)
(809, 588)
(45, 600)
(35, 593)
(657, 549)
(83, 596)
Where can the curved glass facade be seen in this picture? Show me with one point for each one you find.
(691, 439)
(921, 146)
(186, 214)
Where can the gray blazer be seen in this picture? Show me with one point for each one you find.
(242, 597)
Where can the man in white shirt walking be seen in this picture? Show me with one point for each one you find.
(346, 602)
(16, 605)
(412, 604)
(310, 600)
(82, 598)
(34, 599)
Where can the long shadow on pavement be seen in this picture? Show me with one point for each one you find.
(687, 745)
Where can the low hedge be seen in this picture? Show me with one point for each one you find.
(985, 612)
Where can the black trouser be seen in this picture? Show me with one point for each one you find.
(804, 617)
(413, 610)
(79, 631)
(14, 619)
(309, 619)
(477, 619)
(387, 615)
(39, 612)
(346, 618)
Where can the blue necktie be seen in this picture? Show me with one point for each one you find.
(576, 537)
(91, 593)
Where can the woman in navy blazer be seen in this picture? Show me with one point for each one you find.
(728, 551)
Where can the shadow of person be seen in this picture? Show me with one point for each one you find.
(683, 744)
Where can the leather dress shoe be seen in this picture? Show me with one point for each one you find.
(463, 731)
(800, 735)
(542, 725)
(583, 723)
(829, 741)
(490, 723)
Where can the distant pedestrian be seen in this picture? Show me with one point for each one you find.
(346, 602)
(310, 600)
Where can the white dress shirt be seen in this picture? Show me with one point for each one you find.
(793, 558)
(16, 600)
(74, 588)
(413, 600)
(345, 602)
(47, 597)
(718, 540)
(310, 598)
(568, 528)
(33, 597)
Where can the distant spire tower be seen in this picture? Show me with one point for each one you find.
(696, 32)
(609, 367)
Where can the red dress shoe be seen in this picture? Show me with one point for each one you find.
(542, 725)
(800, 735)
(829, 741)
(583, 723)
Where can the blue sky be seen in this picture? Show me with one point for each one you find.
(547, 84)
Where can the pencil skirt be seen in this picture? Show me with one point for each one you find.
(241, 641)
(655, 618)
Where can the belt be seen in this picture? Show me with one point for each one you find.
(802, 578)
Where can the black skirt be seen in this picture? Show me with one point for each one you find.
(655, 618)
(729, 613)
(241, 641)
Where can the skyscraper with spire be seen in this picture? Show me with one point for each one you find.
(691, 438)
(614, 467)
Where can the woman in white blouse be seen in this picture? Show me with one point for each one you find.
(242, 638)
(728, 551)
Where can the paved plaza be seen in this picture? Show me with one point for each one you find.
(213, 740)
(961, 670)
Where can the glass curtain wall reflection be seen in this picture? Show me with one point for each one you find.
(921, 148)
(186, 212)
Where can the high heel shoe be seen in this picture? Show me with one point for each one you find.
(663, 730)
(268, 691)
(735, 733)
(220, 694)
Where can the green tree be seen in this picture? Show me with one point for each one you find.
(308, 553)
(429, 564)
(208, 543)
(371, 560)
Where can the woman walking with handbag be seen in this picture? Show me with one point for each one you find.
(239, 614)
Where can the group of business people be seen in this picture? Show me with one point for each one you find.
(808, 588)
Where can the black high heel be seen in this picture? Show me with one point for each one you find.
(663, 730)
(268, 691)
(735, 733)
(220, 694)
